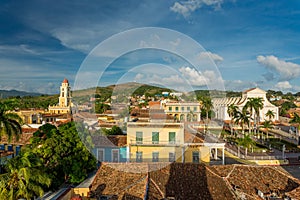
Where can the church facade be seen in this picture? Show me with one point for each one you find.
(220, 105)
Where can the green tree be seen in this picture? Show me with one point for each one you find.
(267, 125)
(206, 105)
(64, 155)
(246, 142)
(9, 124)
(25, 178)
(115, 130)
(232, 111)
(270, 114)
(242, 118)
(255, 104)
(286, 106)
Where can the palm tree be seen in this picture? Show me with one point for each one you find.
(9, 124)
(206, 104)
(25, 178)
(255, 104)
(267, 125)
(246, 142)
(232, 110)
(270, 114)
(242, 118)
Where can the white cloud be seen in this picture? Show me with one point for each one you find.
(283, 85)
(138, 77)
(185, 8)
(285, 70)
(210, 55)
(198, 79)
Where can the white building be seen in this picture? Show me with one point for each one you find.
(220, 105)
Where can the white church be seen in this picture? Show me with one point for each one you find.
(220, 105)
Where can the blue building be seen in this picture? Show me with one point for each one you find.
(111, 148)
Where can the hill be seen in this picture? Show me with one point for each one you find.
(16, 93)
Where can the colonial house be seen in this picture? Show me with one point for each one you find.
(110, 148)
(220, 105)
(183, 111)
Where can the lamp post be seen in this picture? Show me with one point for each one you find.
(283, 150)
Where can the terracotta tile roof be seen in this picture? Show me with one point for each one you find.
(109, 141)
(120, 181)
(23, 140)
(192, 138)
(294, 194)
(249, 179)
(192, 181)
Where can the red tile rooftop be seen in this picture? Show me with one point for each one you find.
(191, 181)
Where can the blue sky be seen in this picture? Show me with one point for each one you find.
(252, 43)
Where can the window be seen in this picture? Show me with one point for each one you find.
(172, 137)
(100, 155)
(170, 108)
(139, 137)
(139, 156)
(188, 108)
(155, 156)
(115, 155)
(182, 108)
(195, 157)
(176, 108)
(155, 137)
(171, 157)
(195, 109)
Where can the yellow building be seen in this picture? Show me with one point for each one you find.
(64, 100)
(164, 142)
(32, 116)
(183, 111)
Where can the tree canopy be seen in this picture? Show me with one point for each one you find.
(63, 154)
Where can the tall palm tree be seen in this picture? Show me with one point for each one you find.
(207, 105)
(232, 110)
(267, 125)
(25, 178)
(9, 124)
(270, 114)
(242, 118)
(255, 104)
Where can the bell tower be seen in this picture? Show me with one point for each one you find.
(64, 98)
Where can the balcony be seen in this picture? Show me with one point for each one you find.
(154, 143)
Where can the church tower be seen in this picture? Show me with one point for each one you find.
(64, 99)
(64, 105)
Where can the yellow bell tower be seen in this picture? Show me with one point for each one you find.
(64, 98)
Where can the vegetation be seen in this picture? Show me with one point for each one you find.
(25, 178)
(267, 125)
(115, 130)
(254, 104)
(9, 123)
(27, 102)
(286, 106)
(54, 156)
(242, 118)
(101, 107)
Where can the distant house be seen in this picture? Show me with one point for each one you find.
(110, 148)
(183, 111)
